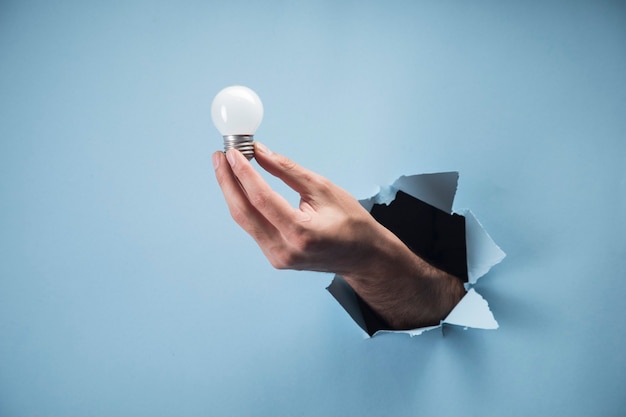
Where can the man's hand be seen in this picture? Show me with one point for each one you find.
(331, 232)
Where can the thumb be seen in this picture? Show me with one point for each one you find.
(300, 179)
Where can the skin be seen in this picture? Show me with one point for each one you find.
(331, 232)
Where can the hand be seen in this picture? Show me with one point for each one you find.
(331, 232)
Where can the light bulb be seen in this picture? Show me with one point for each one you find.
(237, 112)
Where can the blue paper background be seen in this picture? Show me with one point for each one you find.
(126, 289)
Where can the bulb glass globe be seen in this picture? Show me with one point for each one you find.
(237, 112)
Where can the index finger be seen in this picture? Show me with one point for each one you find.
(268, 202)
(239, 206)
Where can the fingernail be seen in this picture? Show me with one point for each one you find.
(262, 148)
(216, 160)
(232, 158)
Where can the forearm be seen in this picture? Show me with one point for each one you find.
(402, 288)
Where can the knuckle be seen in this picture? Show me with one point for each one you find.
(260, 199)
(322, 184)
(305, 240)
(239, 216)
(285, 258)
(301, 247)
(278, 263)
(286, 164)
(316, 184)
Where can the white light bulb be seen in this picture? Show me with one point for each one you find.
(237, 112)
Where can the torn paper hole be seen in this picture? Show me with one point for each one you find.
(424, 203)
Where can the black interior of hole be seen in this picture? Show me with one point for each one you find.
(434, 235)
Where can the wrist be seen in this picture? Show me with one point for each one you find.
(401, 287)
(385, 256)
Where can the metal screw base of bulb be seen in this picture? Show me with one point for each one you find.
(243, 143)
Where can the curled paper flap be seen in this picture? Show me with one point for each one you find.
(385, 195)
(472, 311)
(482, 251)
(438, 190)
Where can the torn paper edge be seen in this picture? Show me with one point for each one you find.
(438, 190)
(481, 251)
